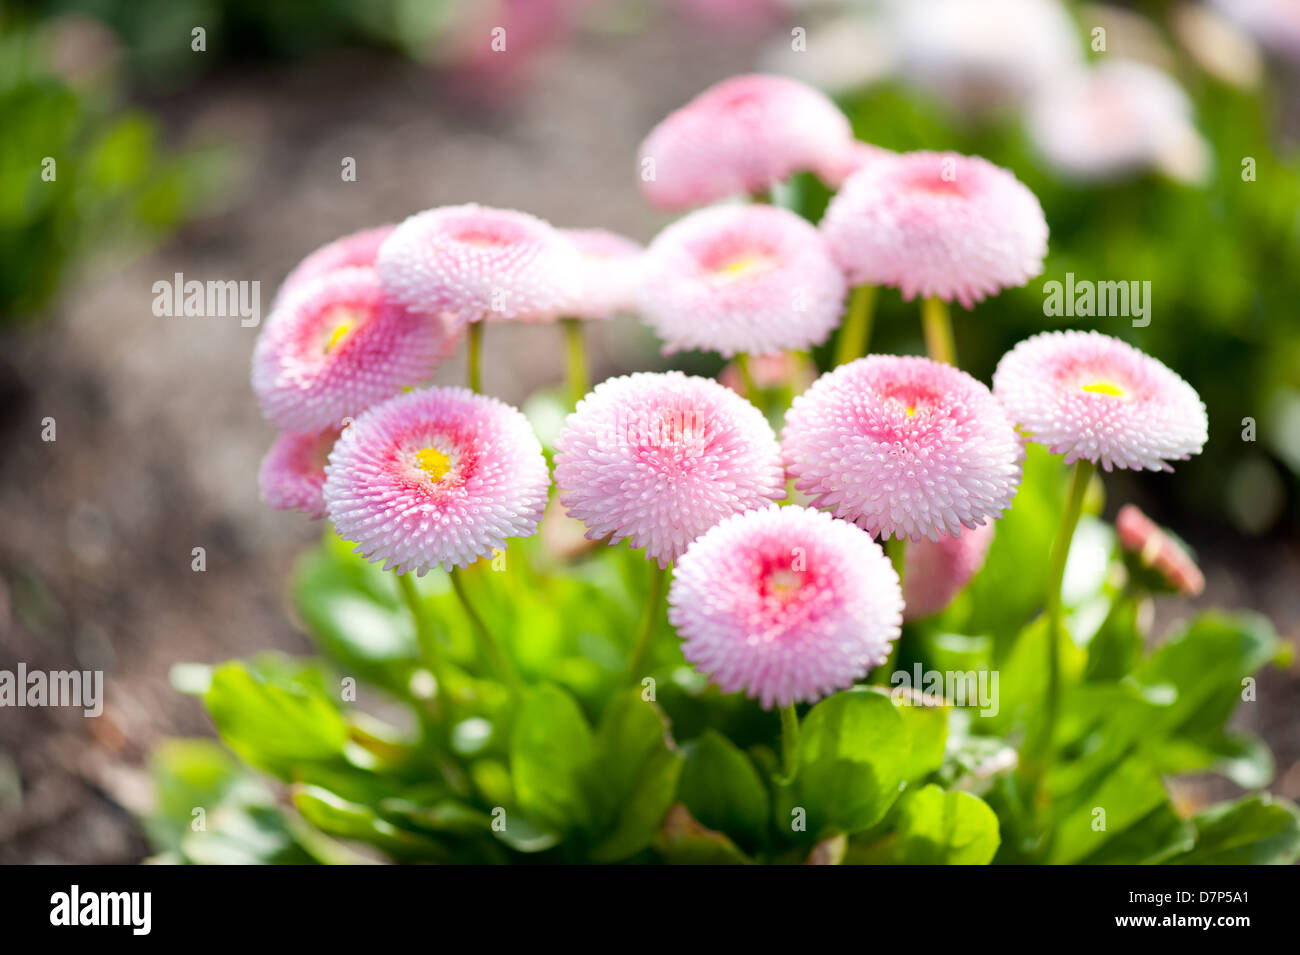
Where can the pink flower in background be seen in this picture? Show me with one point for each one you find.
(1116, 119)
(1274, 23)
(786, 604)
(772, 371)
(359, 248)
(1090, 396)
(903, 447)
(740, 137)
(1139, 534)
(659, 458)
(730, 279)
(934, 572)
(335, 345)
(439, 476)
(611, 273)
(936, 224)
(835, 171)
(292, 475)
(475, 263)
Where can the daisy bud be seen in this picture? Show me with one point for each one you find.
(1154, 548)
(934, 572)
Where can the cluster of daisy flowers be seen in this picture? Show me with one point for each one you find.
(780, 586)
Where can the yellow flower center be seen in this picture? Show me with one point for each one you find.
(1104, 388)
(433, 463)
(339, 333)
(744, 265)
(784, 584)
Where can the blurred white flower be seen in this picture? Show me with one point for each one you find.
(1218, 46)
(1115, 120)
(1274, 23)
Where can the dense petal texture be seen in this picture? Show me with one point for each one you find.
(359, 248)
(611, 273)
(477, 263)
(292, 475)
(335, 345)
(1115, 119)
(1087, 395)
(934, 572)
(936, 224)
(659, 458)
(439, 476)
(740, 136)
(785, 603)
(756, 279)
(904, 447)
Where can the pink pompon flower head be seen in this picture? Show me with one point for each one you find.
(904, 447)
(335, 345)
(937, 225)
(478, 263)
(785, 603)
(358, 248)
(292, 475)
(1156, 549)
(730, 279)
(1089, 396)
(439, 476)
(611, 273)
(934, 572)
(659, 458)
(740, 137)
(836, 170)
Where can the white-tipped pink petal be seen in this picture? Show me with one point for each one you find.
(292, 475)
(755, 279)
(358, 248)
(936, 225)
(611, 273)
(659, 458)
(904, 447)
(739, 137)
(1089, 396)
(785, 604)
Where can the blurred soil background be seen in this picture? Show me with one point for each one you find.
(159, 437)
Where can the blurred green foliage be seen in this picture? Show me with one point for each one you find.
(75, 172)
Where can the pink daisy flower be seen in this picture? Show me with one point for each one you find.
(755, 279)
(934, 572)
(786, 604)
(1087, 395)
(903, 447)
(837, 170)
(611, 273)
(659, 458)
(359, 248)
(336, 345)
(937, 225)
(439, 476)
(476, 263)
(1116, 119)
(292, 475)
(739, 137)
(1154, 548)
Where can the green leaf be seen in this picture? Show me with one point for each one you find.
(945, 828)
(550, 746)
(853, 759)
(683, 841)
(1256, 830)
(723, 790)
(632, 780)
(927, 729)
(276, 718)
(339, 817)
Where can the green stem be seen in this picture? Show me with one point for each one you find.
(500, 661)
(645, 635)
(789, 743)
(937, 327)
(746, 379)
(474, 356)
(896, 549)
(579, 382)
(1055, 578)
(430, 653)
(855, 333)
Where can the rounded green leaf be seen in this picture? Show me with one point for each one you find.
(945, 828)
